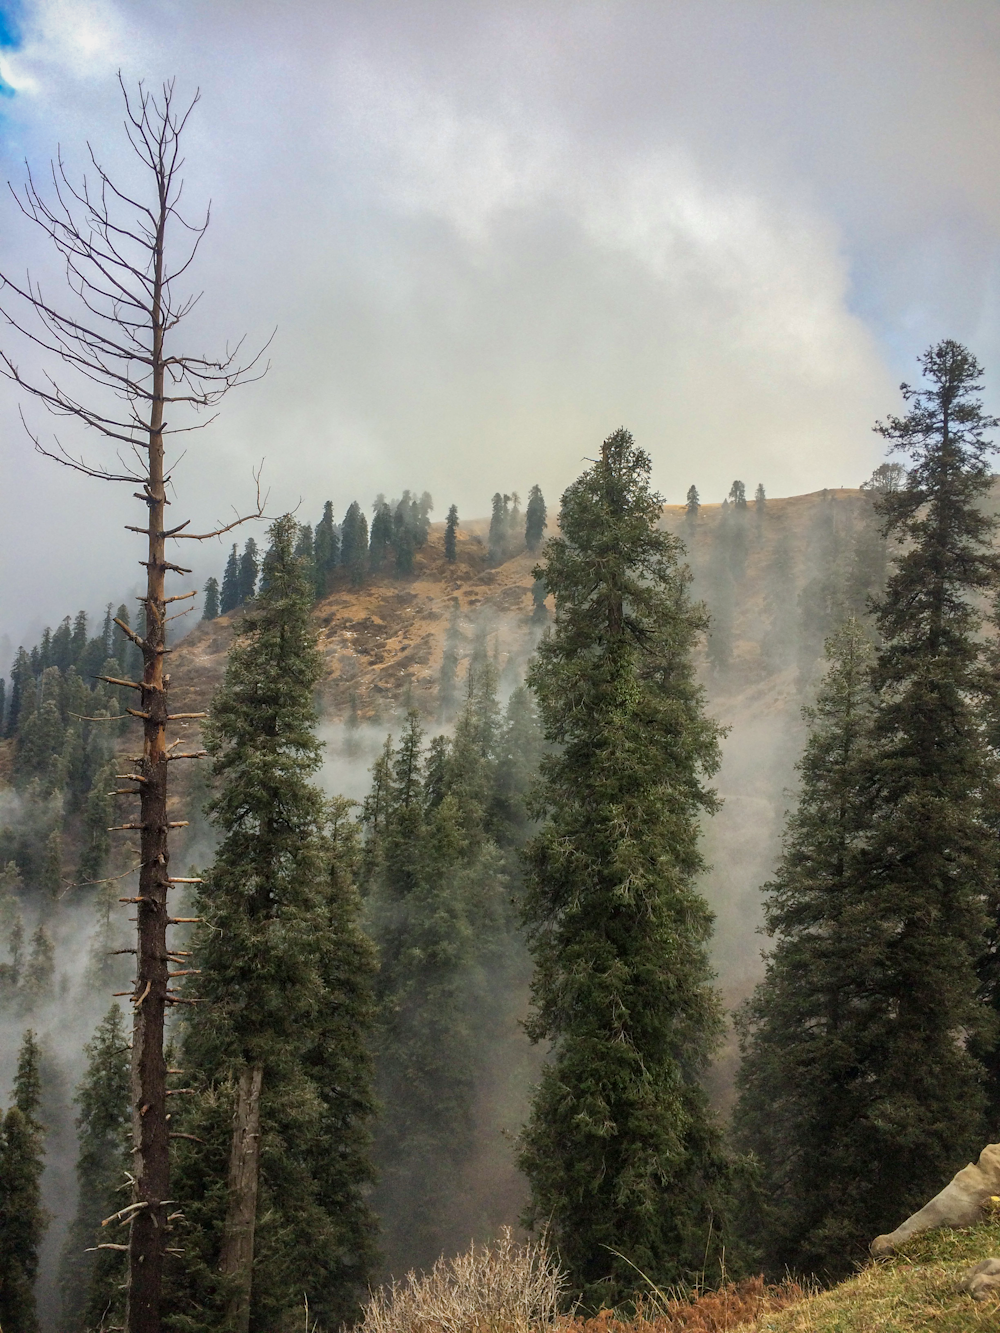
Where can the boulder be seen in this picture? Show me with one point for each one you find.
(983, 1281)
(961, 1203)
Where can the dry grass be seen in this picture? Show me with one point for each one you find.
(914, 1291)
(499, 1288)
(732, 1306)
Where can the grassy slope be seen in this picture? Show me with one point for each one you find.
(915, 1291)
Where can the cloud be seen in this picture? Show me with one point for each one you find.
(489, 234)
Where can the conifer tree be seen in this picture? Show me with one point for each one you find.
(800, 1109)
(23, 1220)
(436, 912)
(326, 549)
(931, 856)
(211, 607)
(95, 832)
(620, 1151)
(909, 1021)
(450, 528)
(354, 543)
(249, 568)
(738, 495)
(229, 598)
(284, 977)
(692, 503)
(535, 517)
(497, 541)
(380, 541)
(91, 1280)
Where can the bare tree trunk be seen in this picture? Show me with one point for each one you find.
(117, 269)
(244, 1174)
(151, 1140)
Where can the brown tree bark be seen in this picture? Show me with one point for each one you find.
(236, 1260)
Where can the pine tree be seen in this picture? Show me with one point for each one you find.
(39, 970)
(535, 517)
(692, 503)
(801, 1107)
(497, 541)
(211, 607)
(450, 528)
(280, 956)
(229, 598)
(902, 1071)
(432, 923)
(620, 1151)
(930, 860)
(23, 1220)
(249, 568)
(354, 543)
(326, 549)
(90, 1280)
(97, 820)
(738, 495)
(380, 540)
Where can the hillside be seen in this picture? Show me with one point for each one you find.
(384, 642)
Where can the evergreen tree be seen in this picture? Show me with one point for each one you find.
(620, 1151)
(930, 857)
(801, 1108)
(39, 970)
(535, 517)
(249, 568)
(326, 549)
(450, 528)
(498, 528)
(354, 543)
(285, 978)
(229, 598)
(95, 833)
(692, 504)
(910, 1021)
(432, 922)
(738, 495)
(380, 541)
(211, 608)
(91, 1280)
(23, 1220)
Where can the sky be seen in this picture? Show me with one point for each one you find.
(484, 235)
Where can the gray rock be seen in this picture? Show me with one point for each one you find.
(962, 1202)
(983, 1281)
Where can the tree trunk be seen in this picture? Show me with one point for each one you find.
(151, 1139)
(236, 1260)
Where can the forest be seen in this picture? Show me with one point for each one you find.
(383, 911)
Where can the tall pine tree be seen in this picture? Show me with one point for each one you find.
(800, 1108)
(894, 1050)
(275, 1050)
(621, 1152)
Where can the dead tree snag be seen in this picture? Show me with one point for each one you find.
(122, 257)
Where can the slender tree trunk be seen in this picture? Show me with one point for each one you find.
(236, 1260)
(151, 1139)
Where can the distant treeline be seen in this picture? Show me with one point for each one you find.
(352, 550)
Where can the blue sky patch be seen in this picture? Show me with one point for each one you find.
(10, 35)
(10, 24)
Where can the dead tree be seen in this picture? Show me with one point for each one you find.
(124, 380)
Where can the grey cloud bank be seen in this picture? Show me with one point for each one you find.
(489, 234)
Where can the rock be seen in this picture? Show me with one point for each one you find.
(962, 1202)
(983, 1281)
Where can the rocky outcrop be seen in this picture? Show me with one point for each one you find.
(962, 1203)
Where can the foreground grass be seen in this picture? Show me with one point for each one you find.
(914, 1291)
